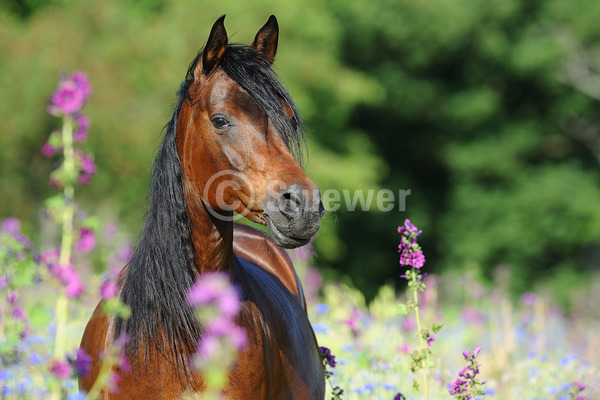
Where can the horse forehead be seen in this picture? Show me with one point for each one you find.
(226, 92)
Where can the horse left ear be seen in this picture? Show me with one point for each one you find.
(266, 39)
(214, 50)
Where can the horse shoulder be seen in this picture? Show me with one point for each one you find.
(94, 342)
(258, 247)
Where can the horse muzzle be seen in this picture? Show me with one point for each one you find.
(294, 215)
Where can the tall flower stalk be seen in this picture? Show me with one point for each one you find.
(67, 102)
(216, 303)
(411, 256)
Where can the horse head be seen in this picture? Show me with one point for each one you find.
(236, 135)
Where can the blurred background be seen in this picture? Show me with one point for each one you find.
(487, 111)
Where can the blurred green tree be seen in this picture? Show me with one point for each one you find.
(486, 110)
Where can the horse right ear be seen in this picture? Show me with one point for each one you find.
(214, 50)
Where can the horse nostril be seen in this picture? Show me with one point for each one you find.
(290, 203)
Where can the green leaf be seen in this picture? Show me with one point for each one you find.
(92, 222)
(24, 273)
(416, 384)
(437, 328)
(55, 202)
(115, 307)
(402, 309)
(38, 316)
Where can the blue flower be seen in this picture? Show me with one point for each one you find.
(320, 328)
(5, 375)
(76, 396)
(322, 308)
(369, 387)
(534, 373)
(387, 386)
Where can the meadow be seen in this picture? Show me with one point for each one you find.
(531, 347)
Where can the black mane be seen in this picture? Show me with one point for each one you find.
(163, 266)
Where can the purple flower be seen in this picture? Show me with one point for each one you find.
(69, 277)
(82, 82)
(12, 226)
(67, 99)
(430, 338)
(48, 150)
(408, 324)
(18, 313)
(123, 363)
(528, 299)
(70, 95)
(215, 288)
(327, 357)
(304, 253)
(86, 241)
(3, 281)
(83, 126)
(109, 289)
(579, 385)
(409, 249)
(12, 298)
(416, 259)
(409, 228)
(82, 363)
(458, 386)
(60, 369)
(399, 396)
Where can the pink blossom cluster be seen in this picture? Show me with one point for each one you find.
(467, 385)
(409, 249)
(68, 100)
(71, 94)
(65, 273)
(218, 304)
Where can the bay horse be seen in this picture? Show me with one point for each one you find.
(230, 149)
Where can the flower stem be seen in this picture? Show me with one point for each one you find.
(421, 341)
(101, 379)
(62, 303)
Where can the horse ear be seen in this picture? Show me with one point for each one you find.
(266, 39)
(214, 50)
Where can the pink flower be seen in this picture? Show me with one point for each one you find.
(83, 126)
(86, 241)
(123, 363)
(409, 324)
(12, 226)
(86, 162)
(69, 277)
(67, 99)
(416, 259)
(18, 313)
(109, 289)
(70, 95)
(213, 288)
(304, 253)
(48, 150)
(60, 369)
(409, 228)
(83, 84)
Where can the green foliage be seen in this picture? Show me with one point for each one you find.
(485, 110)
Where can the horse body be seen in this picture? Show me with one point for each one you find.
(226, 150)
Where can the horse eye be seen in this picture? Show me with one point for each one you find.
(219, 122)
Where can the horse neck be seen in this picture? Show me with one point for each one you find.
(212, 235)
